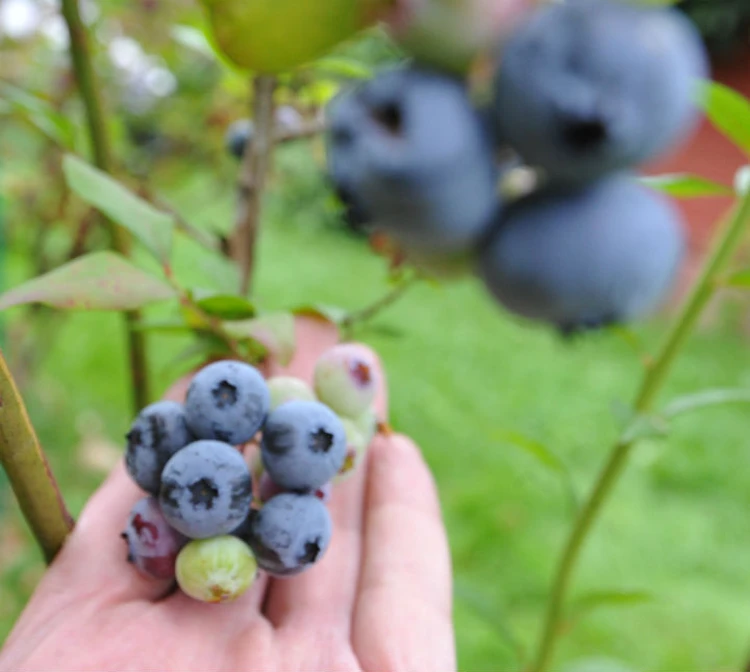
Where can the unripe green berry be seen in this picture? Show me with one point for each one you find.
(367, 424)
(219, 569)
(356, 447)
(287, 388)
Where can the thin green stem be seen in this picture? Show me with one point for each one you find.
(702, 292)
(100, 147)
(211, 323)
(28, 472)
(389, 298)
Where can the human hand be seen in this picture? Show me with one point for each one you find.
(379, 600)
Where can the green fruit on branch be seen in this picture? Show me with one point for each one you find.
(272, 36)
(451, 34)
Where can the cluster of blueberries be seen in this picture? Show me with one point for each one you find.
(584, 93)
(213, 516)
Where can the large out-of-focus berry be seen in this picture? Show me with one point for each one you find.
(602, 254)
(206, 490)
(346, 379)
(414, 158)
(588, 87)
(227, 401)
(290, 533)
(219, 569)
(159, 431)
(152, 544)
(304, 445)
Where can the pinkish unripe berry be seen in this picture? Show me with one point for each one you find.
(345, 379)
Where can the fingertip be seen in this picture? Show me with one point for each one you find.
(399, 472)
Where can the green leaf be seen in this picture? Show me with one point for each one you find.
(150, 226)
(163, 326)
(740, 279)
(537, 450)
(644, 426)
(683, 185)
(487, 611)
(339, 66)
(40, 114)
(275, 331)
(194, 39)
(98, 281)
(543, 456)
(227, 307)
(205, 347)
(597, 664)
(586, 603)
(729, 111)
(706, 399)
(334, 314)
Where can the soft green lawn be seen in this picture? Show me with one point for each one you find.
(461, 373)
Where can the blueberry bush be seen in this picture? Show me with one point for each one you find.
(454, 141)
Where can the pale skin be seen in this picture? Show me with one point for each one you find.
(379, 601)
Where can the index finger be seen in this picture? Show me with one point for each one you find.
(403, 617)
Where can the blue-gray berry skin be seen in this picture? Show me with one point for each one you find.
(590, 87)
(237, 136)
(159, 431)
(227, 401)
(605, 253)
(304, 445)
(206, 490)
(290, 533)
(414, 156)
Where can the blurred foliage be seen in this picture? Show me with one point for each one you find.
(725, 24)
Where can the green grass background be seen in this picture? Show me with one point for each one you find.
(461, 373)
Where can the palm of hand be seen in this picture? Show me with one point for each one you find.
(379, 600)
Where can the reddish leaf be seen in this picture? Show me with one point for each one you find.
(98, 281)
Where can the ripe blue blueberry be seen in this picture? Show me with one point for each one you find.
(290, 533)
(268, 488)
(237, 136)
(601, 254)
(206, 490)
(589, 87)
(304, 445)
(152, 544)
(413, 154)
(159, 431)
(227, 401)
